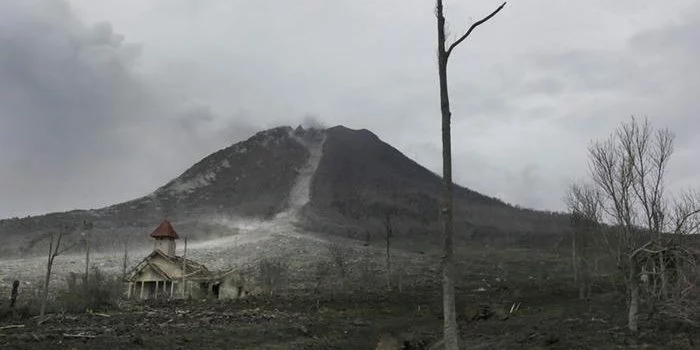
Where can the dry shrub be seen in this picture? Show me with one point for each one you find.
(684, 305)
(670, 280)
(685, 308)
(102, 292)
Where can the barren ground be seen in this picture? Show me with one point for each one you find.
(549, 316)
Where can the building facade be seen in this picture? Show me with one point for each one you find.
(164, 275)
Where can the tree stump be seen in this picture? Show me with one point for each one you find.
(13, 295)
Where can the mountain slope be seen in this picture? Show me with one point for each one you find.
(364, 179)
(335, 181)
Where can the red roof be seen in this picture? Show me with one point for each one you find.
(165, 230)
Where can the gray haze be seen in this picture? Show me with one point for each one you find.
(104, 100)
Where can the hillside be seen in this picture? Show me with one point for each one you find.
(336, 181)
(361, 179)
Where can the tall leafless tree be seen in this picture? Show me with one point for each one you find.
(87, 227)
(449, 309)
(125, 258)
(389, 234)
(628, 170)
(54, 251)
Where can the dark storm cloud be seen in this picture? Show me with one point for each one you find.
(61, 83)
(72, 104)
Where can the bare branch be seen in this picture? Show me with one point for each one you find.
(58, 244)
(66, 248)
(686, 213)
(585, 199)
(473, 26)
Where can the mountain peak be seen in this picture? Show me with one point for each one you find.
(341, 129)
(336, 180)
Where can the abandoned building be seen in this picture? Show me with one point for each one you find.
(163, 274)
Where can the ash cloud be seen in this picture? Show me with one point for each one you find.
(313, 121)
(80, 123)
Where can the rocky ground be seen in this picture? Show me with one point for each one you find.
(348, 321)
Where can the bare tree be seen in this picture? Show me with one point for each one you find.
(449, 309)
(125, 259)
(54, 251)
(628, 170)
(584, 202)
(389, 233)
(87, 226)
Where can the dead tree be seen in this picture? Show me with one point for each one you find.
(87, 226)
(584, 203)
(125, 259)
(449, 309)
(184, 269)
(388, 235)
(389, 229)
(628, 170)
(54, 251)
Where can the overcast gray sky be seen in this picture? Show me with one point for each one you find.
(102, 101)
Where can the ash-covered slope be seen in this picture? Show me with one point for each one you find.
(334, 181)
(362, 179)
(253, 178)
(256, 179)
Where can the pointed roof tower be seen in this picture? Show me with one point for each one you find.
(165, 231)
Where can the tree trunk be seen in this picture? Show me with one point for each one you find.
(13, 295)
(389, 233)
(87, 262)
(664, 277)
(184, 270)
(451, 332)
(451, 336)
(574, 261)
(584, 280)
(125, 260)
(633, 285)
(45, 293)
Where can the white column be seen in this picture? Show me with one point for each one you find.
(128, 293)
(141, 293)
(155, 296)
(172, 288)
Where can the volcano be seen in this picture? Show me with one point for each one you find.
(335, 181)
